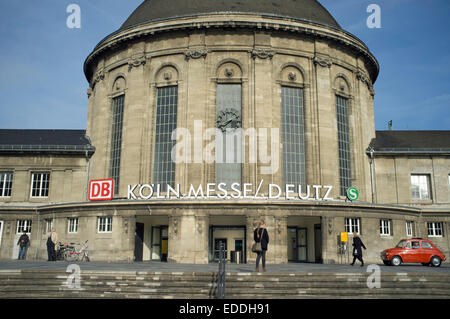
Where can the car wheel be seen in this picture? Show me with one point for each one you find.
(435, 261)
(396, 261)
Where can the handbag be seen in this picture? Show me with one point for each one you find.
(256, 247)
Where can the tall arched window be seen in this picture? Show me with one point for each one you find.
(342, 90)
(165, 124)
(292, 125)
(229, 121)
(118, 103)
(345, 172)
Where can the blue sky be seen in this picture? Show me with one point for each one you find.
(42, 83)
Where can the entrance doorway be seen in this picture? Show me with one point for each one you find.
(297, 244)
(139, 242)
(159, 243)
(318, 243)
(233, 238)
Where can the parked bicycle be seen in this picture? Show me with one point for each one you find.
(62, 247)
(71, 253)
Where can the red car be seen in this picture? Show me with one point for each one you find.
(414, 250)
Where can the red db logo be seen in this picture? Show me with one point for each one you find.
(101, 189)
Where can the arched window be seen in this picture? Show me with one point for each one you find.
(229, 121)
(165, 124)
(292, 125)
(118, 103)
(343, 135)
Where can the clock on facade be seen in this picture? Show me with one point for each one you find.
(228, 119)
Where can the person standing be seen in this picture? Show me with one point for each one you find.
(51, 245)
(261, 236)
(23, 242)
(357, 251)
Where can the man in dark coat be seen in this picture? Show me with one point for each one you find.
(51, 245)
(24, 242)
(261, 235)
(357, 251)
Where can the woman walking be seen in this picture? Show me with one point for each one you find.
(261, 236)
(357, 251)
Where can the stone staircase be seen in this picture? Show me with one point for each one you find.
(202, 285)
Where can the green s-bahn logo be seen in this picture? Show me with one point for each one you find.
(352, 193)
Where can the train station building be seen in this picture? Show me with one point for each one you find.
(210, 116)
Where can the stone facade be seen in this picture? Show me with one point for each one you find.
(196, 54)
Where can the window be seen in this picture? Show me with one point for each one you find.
(166, 123)
(6, 179)
(23, 225)
(48, 225)
(72, 225)
(345, 176)
(409, 228)
(116, 140)
(420, 186)
(352, 225)
(104, 224)
(415, 244)
(229, 110)
(40, 183)
(435, 229)
(293, 135)
(385, 227)
(426, 245)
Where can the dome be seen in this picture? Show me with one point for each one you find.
(305, 10)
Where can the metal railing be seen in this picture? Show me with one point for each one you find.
(221, 273)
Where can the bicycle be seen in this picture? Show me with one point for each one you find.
(73, 254)
(60, 252)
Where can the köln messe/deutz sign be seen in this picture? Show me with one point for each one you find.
(235, 191)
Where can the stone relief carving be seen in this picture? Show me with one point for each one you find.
(136, 61)
(262, 53)
(99, 76)
(195, 54)
(229, 72)
(363, 77)
(323, 61)
(292, 76)
(167, 76)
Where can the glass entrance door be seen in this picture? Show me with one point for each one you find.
(297, 244)
(292, 244)
(302, 247)
(233, 238)
(160, 243)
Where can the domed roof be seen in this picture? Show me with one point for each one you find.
(154, 10)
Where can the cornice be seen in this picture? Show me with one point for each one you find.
(236, 22)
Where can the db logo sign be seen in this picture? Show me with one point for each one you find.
(101, 189)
